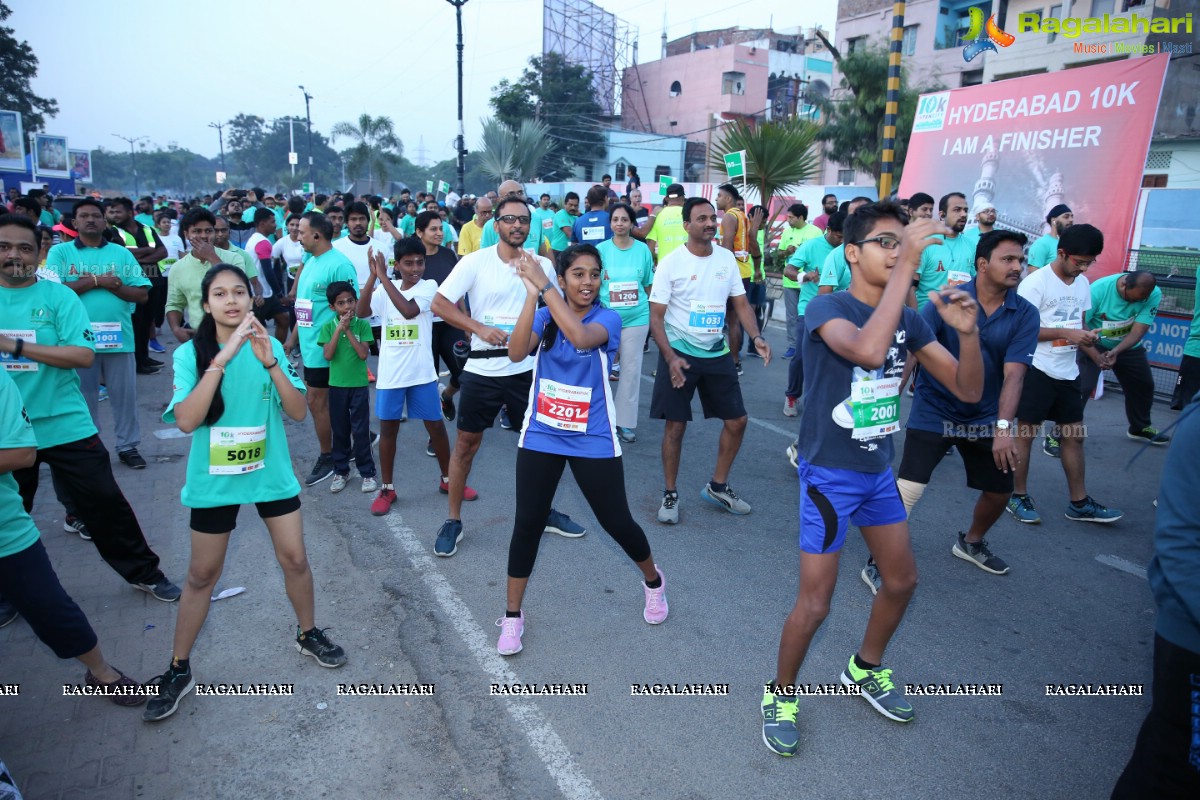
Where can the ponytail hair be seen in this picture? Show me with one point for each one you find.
(204, 342)
(565, 259)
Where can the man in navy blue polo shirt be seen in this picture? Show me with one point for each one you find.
(983, 432)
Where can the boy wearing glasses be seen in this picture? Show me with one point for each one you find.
(855, 346)
(1053, 388)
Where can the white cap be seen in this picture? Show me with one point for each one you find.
(981, 206)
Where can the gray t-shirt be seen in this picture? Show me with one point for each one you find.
(862, 405)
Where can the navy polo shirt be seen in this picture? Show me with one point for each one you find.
(1008, 336)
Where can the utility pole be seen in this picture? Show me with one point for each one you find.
(220, 126)
(891, 109)
(462, 145)
(291, 141)
(132, 158)
(308, 114)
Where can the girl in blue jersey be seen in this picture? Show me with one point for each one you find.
(570, 419)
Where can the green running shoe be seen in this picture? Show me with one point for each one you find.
(779, 723)
(878, 690)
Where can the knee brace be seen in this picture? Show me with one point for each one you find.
(910, 493)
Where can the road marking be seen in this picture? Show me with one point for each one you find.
(774, 428)
(544, 740)
(1125, 566)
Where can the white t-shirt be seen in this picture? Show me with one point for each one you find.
(174, 245)
(1060, 305)
(696, 291)
(405, 353)
(385, 243)
(497, 297)
(291, 252)
(359, 255)
(252, 247)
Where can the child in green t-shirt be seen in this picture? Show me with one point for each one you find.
(346, 340)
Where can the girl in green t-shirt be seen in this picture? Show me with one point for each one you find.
(229, 397)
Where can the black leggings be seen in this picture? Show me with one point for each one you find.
(602, 481)
(444, 337)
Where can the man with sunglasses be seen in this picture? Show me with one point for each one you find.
(1052, 387)
(490, 378)
(535, 241)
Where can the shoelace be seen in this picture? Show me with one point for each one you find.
(1026, 503)
(883, 677)
(730, 493)
(319, 639)
(786, 709)
(654, 597)
(508, 625)
(669, 500)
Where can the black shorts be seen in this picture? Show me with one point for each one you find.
(717, 380)
(1188, 382)
(316, 377)
(1043, 398)
(924, 450)
(482, 396)
(223, 519)
(270, 309)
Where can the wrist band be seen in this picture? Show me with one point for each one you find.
(95, 280)
(18, 347)
(272, 365)
(216, 368)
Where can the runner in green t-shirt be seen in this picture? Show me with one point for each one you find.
(798, 232)
(229, 397)
(564, 223)
(345, 342)
(804, 266)
(1045, 249)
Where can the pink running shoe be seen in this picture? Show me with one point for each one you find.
(656, 601)
(511, 629)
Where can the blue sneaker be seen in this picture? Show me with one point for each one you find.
(789, 353)
(779, 723)
(505, 422)
(878, 689)
(449, 535)
(1021, 507)
(155, 347)
(103, 394)
(1091, 511)
(560, 523)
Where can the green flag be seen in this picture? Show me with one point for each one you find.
(443, 187)
(735, 165)
(306, 187)
(664, 183)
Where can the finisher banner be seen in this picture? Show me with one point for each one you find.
(1076, 136)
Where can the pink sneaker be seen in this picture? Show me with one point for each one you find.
(511, 629)
(656, 601)
(383, 502)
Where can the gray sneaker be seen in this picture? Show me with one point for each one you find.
(870, 576)
(979, 555)
(668, 512)
(726, 499)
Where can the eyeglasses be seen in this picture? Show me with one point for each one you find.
(509, 219)
(1081, 263)
(886, 242)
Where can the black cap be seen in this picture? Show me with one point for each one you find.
(675, 190)
(1057, 211)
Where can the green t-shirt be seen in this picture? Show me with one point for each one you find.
(1192, 347)
(50, 314)
(797, 236)
(971, 235)
(835, 271)
(346, 369)
(248, 263)
(407, 225)
(312, 306)
(625, 280)
(950, 261)
(17, 531)
(1114, 316)
(183, 284)
(810, 257)
(110, 315)
(146, 220)
(667, 232)
(244, 458)
(562, 219)
(1043, 251)
(543, 220)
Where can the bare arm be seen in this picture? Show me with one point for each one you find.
(728, 231)
(63, 356)
(745, 315)
(15, 458)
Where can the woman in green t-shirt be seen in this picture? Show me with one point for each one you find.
(229, 397)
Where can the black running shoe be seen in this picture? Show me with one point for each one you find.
(172, 686)
(321, 470)
(316, 644)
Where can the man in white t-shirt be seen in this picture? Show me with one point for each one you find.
(267, 303)
(357, 246)
(693, 288)
(1052, 390)
(490, 378)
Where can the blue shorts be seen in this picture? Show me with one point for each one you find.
(422, 400)
(830, 499)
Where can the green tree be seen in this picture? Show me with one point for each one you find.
(18, 66)
(559, 94)
(376, 150)
(244, 139)
(780, 155)
(507, 153)
(853, 129)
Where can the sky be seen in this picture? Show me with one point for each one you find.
(214, 60)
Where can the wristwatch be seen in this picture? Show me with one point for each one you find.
(1003, 425)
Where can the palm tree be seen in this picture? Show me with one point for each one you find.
(376, 149)
(780, 154)
(505, 153)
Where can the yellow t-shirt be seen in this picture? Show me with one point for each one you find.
(468, 238)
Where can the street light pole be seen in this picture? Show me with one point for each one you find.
(308, 114)
(461, 144)
(220, 126)
(132, 157)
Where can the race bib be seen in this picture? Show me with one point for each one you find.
(956, 278)
(22, 364)
(592, 233)
(108, 336)
(233, 451)
(165, 265)
(563, 407)
(706, 318)
(1116, 329)
(622, 294)
(875, 408)
(505, 322)
(304, 313)
(1064, 345)
(402, 334)
(548, 224)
